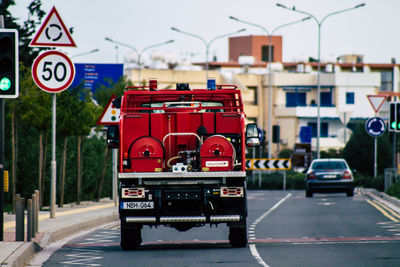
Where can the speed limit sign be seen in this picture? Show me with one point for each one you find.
(53, 71)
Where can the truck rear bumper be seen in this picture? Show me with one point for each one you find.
(191, 219)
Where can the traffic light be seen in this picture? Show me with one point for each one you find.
(398, 117)
(275, 134)
(8, 63)
(392, 117)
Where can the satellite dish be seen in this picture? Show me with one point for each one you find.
(344, 135)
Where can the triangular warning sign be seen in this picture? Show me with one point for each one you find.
(110, 114)
(376, 101)
(53, 32)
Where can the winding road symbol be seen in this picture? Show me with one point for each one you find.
(375, 126)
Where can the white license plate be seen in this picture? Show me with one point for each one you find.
(329, 176)
(138, 205)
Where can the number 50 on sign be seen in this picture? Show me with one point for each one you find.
(53, 71)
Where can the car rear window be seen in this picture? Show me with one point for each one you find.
(329, 165)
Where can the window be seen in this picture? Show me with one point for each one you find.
(326, 99)
(265, 51)
(350, 98)
(386, 81)
(255, 96)
(295, 99)
(324, 129)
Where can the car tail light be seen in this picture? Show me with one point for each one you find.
(133, 193)
(311, 176)
(232, 192)
(346, 175)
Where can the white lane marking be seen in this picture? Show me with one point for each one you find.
(257, 256)
(253, 248)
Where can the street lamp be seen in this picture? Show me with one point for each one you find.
(319, 23)
(207, 44)
(136, 51)
(269, 70)
(86, 53)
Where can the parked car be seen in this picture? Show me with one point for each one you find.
(329, 175)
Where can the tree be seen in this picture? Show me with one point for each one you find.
(359, 151)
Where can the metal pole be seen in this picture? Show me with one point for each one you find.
(1, 156)
(269, 96)
(319, 92)
(115, 174)
(19, 218)
(29, 221)
(375, 156)
(53, 163)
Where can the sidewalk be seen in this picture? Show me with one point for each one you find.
(68, 220)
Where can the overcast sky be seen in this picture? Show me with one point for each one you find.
(372, 31)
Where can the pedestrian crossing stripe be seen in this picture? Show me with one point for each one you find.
(268, 164)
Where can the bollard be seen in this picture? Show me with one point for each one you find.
(34, 203)
(29, 224)
(37, 211)
(19, 218)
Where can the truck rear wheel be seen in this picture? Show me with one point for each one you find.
(130, 238)
(238, 236)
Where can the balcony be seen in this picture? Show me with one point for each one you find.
(305, 111)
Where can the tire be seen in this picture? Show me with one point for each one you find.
(350, 193)
(130, 238)
(238, 236)
(309, 193)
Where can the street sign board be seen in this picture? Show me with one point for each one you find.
(375, 126)
(376, 101)
(53, 71)
(268, 164)
(110, 114)
(53, 32)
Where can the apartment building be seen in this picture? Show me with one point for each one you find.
(344, 87)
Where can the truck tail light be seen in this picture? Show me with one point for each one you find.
(232, 192)
(346, 175)
(132, 192)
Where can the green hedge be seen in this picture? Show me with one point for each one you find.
(295, 181)
(394, 190)
(274, 181)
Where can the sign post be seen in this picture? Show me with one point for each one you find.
(375, 127)
(53, 72)
(110, 116)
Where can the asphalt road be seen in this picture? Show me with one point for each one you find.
(284, 228)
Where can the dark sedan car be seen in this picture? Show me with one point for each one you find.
(329, 175)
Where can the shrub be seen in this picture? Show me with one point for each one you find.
(394, 190)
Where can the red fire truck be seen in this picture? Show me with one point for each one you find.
(181, 159)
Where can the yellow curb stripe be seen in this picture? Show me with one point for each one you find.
(11, 224)
(392, 212)
(382, 211)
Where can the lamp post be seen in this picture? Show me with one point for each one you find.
(319, 23)
(86, 53)
(269, 69)
(207, 44)
(137, 52)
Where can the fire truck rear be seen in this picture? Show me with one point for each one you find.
(181, 159)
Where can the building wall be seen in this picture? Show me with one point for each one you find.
(290, 119)
(252, 46)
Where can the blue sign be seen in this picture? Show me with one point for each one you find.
(305, 134)
(375, 126)
(93, 76)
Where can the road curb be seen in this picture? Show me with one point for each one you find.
(52, 236)
(381, 196)
(27, 250)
